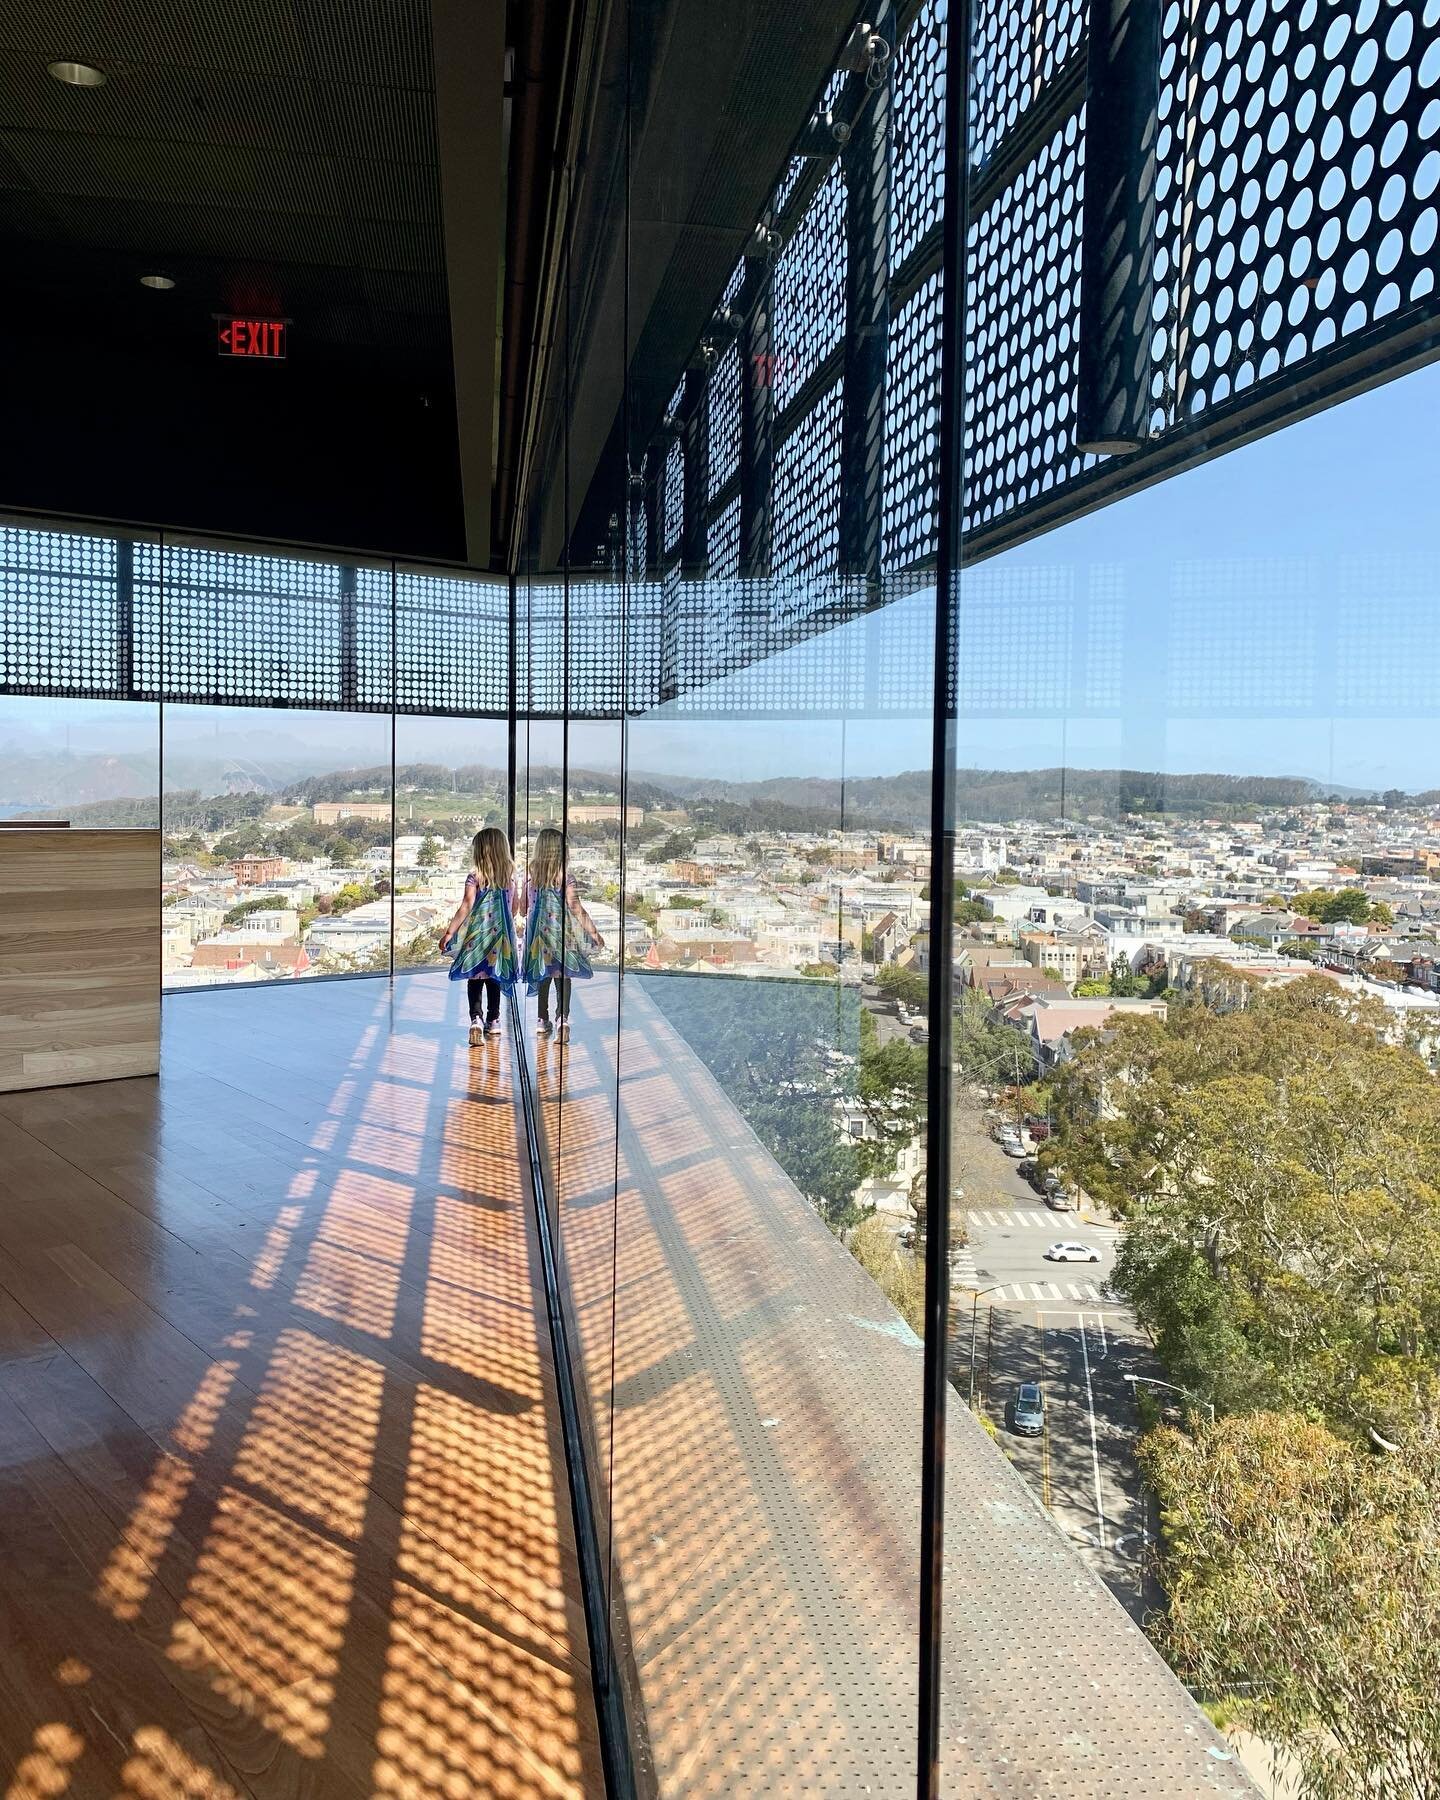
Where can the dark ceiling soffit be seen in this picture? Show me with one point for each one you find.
(555, 50)
(720, 94)
(469, 53)
(593, 322)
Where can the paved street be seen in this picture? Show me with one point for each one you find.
(887, 1016)
(1005, 1256)
(1054, 1323)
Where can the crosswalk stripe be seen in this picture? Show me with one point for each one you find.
(1035, 1290)
(1074, 1291)
(1092, 1291)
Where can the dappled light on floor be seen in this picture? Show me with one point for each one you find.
(314, 1396)
(349, 1288)
(342, 1562)
(131, 1569)
(761, 1487)
(480, 1510)
(161, 1770)
(264, 1618)
(45, 1771)
(464, 1712)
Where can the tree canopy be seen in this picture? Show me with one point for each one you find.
(1304, 1576)
(1350, 906)
(1281, 1166)
(905, 985)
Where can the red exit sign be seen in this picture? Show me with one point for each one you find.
(251, 337)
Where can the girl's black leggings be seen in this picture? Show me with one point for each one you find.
(562, 983)
(492, 998)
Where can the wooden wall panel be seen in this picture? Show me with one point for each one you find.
(79, 956)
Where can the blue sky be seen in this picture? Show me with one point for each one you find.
(1305, 561)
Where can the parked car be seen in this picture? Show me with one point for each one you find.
(1029, 1170)
(1072, 1252)
(1013, 1147)
(1027, 1410)
(1059, 1199)
(1039, 1128)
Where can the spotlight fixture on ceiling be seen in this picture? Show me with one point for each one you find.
(162, 283)
(77, 74)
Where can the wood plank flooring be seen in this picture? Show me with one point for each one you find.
(283, 1510)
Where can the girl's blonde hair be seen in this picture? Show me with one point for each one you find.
(493, 861)
(547, 859)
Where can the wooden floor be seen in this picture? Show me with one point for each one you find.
(282, 1502)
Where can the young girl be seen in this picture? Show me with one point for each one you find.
(481, 936)
(557, 929)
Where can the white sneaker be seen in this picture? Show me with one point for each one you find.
(492, 1028)
(562, 1032)
(477, 1032)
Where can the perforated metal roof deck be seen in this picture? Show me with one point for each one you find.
(765, 1482)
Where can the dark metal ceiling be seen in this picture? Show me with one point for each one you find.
(299, 159)
(274, 155)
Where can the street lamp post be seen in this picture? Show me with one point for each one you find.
(975, 1299)
(1185, 1394)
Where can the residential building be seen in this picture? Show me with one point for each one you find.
(257, 871)
(335, 812)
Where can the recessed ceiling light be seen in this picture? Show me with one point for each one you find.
(75, 74)
(162, 282)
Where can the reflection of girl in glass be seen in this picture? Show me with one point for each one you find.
(480, 938)
(557, 931)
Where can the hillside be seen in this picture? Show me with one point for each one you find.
(990, 795)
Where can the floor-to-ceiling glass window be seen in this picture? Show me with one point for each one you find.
(76, 612)
(452, 774)
(1195, 1002)
(742, 1143)
(276, 779)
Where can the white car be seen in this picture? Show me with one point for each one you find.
(1072, 1253)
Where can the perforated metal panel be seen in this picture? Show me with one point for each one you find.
(724, 544)
(918, 176)
(1017, 48)
(241, 629)
(807, 492)
(674, 494)
(591, 649)
(452, 644)
(1300, 178)
(1295, 216)
(780, 659)
(725, 420)
(60, 619)
(1295, 221)
(1023, 269)
(912, 431)
(810, 290)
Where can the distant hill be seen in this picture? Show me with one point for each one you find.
(989, 795)
(33, 781)
(1001, 794)
(117, 789)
